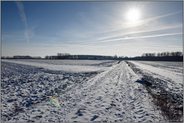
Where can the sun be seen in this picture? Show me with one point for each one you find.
(133, 15)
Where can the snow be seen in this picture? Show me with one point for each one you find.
(66, 67)
(67, 62)
(111, 94)
(177, 77)
(171, 80)
(24, 87)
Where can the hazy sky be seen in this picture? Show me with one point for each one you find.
(46, 28)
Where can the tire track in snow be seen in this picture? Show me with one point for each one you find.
(169, 99)
(112, 95)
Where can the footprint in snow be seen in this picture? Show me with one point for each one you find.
(79, 112)
(94, 117)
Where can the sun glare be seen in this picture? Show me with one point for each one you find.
(133, 15)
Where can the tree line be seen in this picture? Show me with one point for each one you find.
(163, 56)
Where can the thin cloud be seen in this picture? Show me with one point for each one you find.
(143, 37)
(23, 17)
(160, 16)
(141, 23)
(126, 35)
(116, 37)
(142, 31)
(120, 33)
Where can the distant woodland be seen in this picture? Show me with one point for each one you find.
(163, 56)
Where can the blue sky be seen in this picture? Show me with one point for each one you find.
(99, 28)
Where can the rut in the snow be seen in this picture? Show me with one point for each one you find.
(171, 104)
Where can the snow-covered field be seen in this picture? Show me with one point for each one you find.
(91, 90)
(76, 66)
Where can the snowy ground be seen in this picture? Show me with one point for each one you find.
(87, 90)
(80, 66)
(164, 85)
(69, 62)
